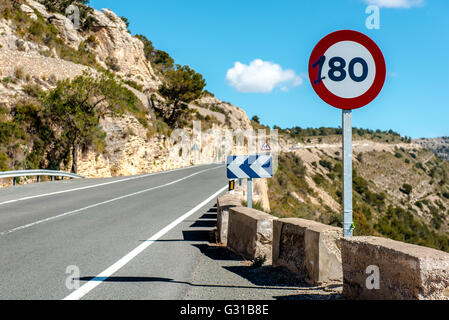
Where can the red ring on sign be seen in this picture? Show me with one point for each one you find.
(379, 80)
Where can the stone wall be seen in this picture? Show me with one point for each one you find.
(369, 267)
(224, 203)
(308, 249)
(404, 271)
(250, 233)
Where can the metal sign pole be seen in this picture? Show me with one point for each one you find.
(347, 173)
(249, 191)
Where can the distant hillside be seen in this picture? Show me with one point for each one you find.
(439, 146)
(401, 190)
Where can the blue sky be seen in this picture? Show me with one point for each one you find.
(211, 36)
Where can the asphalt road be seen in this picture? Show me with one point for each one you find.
(123, 235)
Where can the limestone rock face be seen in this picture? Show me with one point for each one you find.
(29, 11)
(125, 51)
(130, 148)
(66, 30)
(237, 117)
(40, 8)
(128, 151)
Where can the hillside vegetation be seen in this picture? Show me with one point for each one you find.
(400, 190)
(48, 121)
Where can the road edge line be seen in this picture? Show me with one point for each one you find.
(91, 284)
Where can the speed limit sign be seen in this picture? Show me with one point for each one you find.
(347, 69)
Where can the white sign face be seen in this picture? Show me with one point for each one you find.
(350, 69)
(347, 69)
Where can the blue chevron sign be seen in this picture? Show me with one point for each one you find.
(244, 167)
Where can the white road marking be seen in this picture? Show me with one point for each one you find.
(90, 187)
(91, 284)
(100, 203)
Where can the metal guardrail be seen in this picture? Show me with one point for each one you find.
(38, 174)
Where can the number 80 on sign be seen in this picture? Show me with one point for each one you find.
(347, 69)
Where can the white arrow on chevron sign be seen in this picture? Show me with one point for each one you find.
(234, 167)
(257, 166)
(245, 167)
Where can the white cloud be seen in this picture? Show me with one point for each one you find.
(396, 3)
(261, 76)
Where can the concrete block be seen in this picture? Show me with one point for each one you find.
(404, 271)
(224, 203)
(308, 249)
(250, 233)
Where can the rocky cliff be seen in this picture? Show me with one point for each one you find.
(24, 62)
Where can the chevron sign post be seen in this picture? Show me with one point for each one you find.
(249, 167)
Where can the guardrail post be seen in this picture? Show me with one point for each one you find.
(14, 181)
(38, 179)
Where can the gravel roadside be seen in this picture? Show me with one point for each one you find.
(222, 275)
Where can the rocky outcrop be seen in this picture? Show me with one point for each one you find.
(439, 146)
(116, 44)
(130, 148)
(234, 116)
(29, 11)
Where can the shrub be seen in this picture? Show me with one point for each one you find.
(406, 188)
(19, 74)
(148, 48)
(259, 261)
(399, 224)
(3, 162)
(419, 165)
(33, 90)
(326, 164)
(75, 107)
(92, 41)
(319, 179)
(126, 21)
(180, 86)
(112, 63)
(134, 84)
(419, 204)
(60, 6)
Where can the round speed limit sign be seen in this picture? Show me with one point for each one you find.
(347, 69)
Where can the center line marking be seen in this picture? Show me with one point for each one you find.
(92, 186)
(91, 284)
(101, 203)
